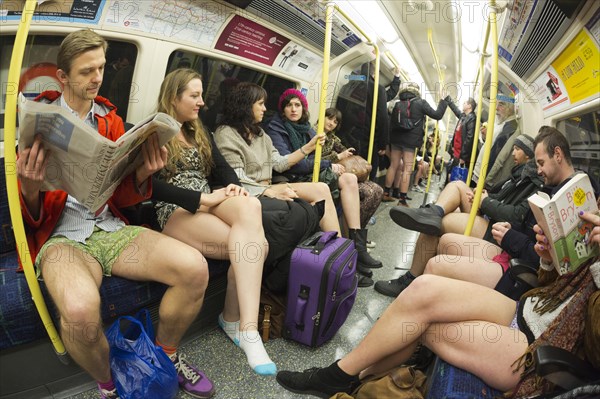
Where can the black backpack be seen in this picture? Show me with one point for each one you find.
(401, 116)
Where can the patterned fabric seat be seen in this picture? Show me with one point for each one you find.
(449, 382)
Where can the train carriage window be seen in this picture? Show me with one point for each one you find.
(38, 72)
(583, 133)
(219, 77)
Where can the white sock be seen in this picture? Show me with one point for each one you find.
(231, 328)
(256, 354)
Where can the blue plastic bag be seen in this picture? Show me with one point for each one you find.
(140, 369)
(459, 173)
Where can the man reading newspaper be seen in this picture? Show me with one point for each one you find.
(72, 247)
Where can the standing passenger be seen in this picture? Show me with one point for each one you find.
(403, 142)
(72, 247)
(226, 224)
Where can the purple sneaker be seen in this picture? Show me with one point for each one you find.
(192, 380)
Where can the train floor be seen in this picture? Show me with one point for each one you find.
(226, 363)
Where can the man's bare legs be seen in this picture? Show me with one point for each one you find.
(466, 258)
(442, 314)
(73, 279)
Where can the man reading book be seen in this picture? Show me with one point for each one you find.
(553, 157)
(72, 248)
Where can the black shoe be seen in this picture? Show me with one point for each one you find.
(425, 220)
(363, 271)
(359, 236)
(402, 202)
(364, 281)
(393, 288)
(308, 382)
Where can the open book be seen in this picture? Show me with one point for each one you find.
(559, 219)
(81, 162)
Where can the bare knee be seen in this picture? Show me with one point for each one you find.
(250, 210)
(348, 181)
(191, 271)
(435, 266)
(80, 317)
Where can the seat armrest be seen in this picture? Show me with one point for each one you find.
(563, 368)
(520, 263)
(142, 214)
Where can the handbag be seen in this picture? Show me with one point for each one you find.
(357, 165)
(517, 280)
(140, 369)
(271, 314)
(400, 383)
(459, 173)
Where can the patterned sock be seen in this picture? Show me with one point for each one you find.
(108, 386)
(256, 354)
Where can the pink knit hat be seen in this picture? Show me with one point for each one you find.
(292, 93)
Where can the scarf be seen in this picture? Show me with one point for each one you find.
(298, 133)
(566, 331)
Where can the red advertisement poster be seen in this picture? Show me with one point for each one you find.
(250, 40)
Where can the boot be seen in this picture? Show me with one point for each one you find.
(359, 236)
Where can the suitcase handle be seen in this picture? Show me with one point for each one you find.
(317, 241)
(300, 311)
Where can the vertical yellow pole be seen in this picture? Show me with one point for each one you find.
(12, 187)
(491, 119)
(480, 105)
(374, 108)
(324, 83)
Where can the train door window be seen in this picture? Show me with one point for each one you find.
(38, 72)
(219, 77)
(583, 134)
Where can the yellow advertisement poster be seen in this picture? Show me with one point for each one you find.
(579, 67)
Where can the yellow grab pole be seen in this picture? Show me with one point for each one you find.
(324, 81)
(480, 75)
(374, 107)
(330, 6)
(490, 132)
(12, 187)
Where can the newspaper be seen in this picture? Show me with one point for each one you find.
(81, 162)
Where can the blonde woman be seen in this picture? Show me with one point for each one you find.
(226, 222)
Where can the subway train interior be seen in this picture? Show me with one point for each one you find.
(540, 58)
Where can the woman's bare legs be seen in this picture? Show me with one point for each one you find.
(395, 167)
(232, 230)
(454, 320)
(407, 159)
(350, 199)
(466, 258)
(315, 192)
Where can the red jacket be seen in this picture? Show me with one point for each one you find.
(110, 125)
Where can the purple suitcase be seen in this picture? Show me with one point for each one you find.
(321, 289)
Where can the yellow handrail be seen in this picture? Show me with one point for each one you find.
(12, 187)
(324, 83)
(330, 6)
(480, 82)
(437, 123)
(393, 60)
(491, 119)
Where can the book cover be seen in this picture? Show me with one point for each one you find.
(559, 219)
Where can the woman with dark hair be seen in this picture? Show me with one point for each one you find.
(370, 193)
(290, 130)
(250, 152)
(214, 221)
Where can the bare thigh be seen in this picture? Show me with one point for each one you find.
(202, 230)
(456, 222)
(485, 349)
